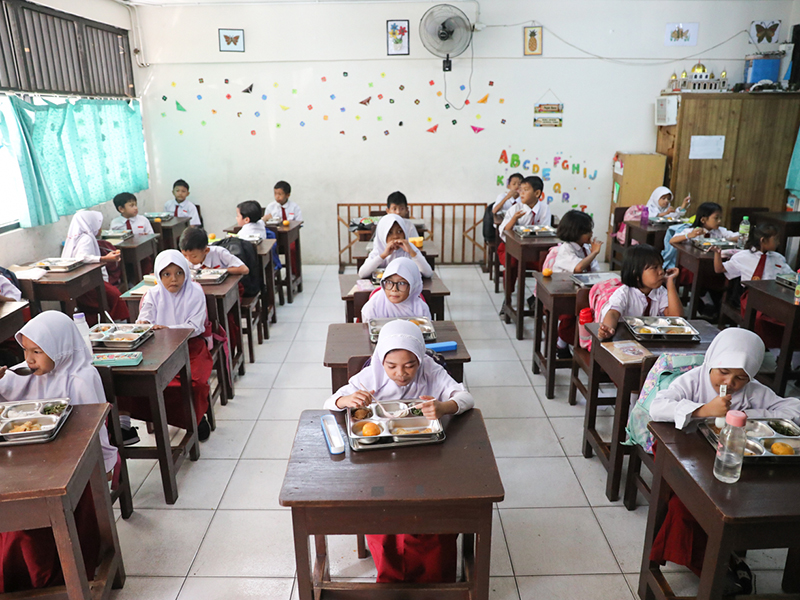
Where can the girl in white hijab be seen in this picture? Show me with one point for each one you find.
(177, 302)
(399, 295)
(391, 241)
(81, 243)
(660, 203)
(733, 359)
(400, 369)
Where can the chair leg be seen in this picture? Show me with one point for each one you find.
(212, 419)
(250, 333)
(573, 388)
(634, 468)
(361, 542)
(223, 388)
(259, 317)
(279, 282)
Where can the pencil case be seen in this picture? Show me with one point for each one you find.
(442, 346)
(333, 437)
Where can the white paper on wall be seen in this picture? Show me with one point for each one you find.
(704, 147)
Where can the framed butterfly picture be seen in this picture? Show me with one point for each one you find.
(231, 40)
(765, 32)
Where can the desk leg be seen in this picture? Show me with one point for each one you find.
(659, 498)
(102, 300)
(791, 572)
(538, 323)
(551, 344)
(289, 271)
(305, 584)
(617, 451)
(349, 311)
(785, 359)
(163, 445)
(507, 287)
(715, 563)
(338, 378)
(109, 541)
(299, 264)
(124, 268)
(590, 417)
(65, 531)
(694, 297)
(483, 551)
(456, 371)
(520, 295)
(322, 571)
(437, 308)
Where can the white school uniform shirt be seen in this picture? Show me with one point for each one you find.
(508, 203)
(743, 264)
(631, 302)
(374, 260)
(254, 229)
(530, 216)
(185, 209)
(570, 254)
(81, 239)
(720, 233)
(219, 258)
(293, 212)
(380, 307)
(542, 216)
(9, 290)
(139, 225)
(733, 348)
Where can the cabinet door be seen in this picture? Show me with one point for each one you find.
(767, 133)
(708, 180)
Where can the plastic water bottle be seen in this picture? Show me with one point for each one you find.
(797, 290)
(83, 327)
(744, 232)
(730, 448)
(645, 217)
(584, 317)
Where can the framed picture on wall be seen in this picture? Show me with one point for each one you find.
(533, 41)
(231, 40)
(397, 38)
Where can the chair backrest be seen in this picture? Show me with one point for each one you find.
(739, 212)
(199, 214)
(360, 298)
(619, 217)
(377, 213)
(355, 364)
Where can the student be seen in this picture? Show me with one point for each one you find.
(8, 291)
(506, 200)
(660, 203)
(399, 295)
(283, 208)
(248, 218)
(707, 224)
(81, 243)
(194, 246)
(396, 204)
(129, 217)
(62, 368)
(642, 292)
(400, 369)
(733, 359)
(391, 241)
(176, 302)
(758, 261)
(180, 206)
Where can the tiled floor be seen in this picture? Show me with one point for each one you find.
(556, 536)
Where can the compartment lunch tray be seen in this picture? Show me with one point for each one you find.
(164, 216)
(708, 243)
(424, 323)
(202, 277)
(59, 265)
(665, 220)
(47, 436)
(787, 280)
(116, 234)
(658, 329)
(387, 440)
(756, 442)
(534, 231)
(590, 279)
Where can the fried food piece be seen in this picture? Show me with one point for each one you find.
(782, 449)
(361, 413)
(370, 429)
(29, 426)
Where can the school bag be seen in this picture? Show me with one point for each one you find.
(598, 298)
(667, 368)
(11, 277)
(489, 231)
(245, 252)
(634, 213)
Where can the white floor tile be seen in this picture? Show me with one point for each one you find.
(625, 531)
(570, 432)
(282, 331)
(489, 329)
(314, 332)
(200, 485)
(344, 561)
(271, 439)
(148, 588)
(523, 437)
(506, 402)
(289, 313)
(238, 588)
(246, 405)
(303, 375)
(257, 375)
(492, 350)
(287, 404)
(306, 352)
(501, 560)
(556, 485)
(495, 373)
(227, 441)
(255, 485)
(596, 587)
(503, 588)
(272, 350)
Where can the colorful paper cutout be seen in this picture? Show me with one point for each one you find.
(454, 121)
(380, 96)
(248, 89)
(380, 118)
(263, 96)
(477, 116)
(173, 84)
(402, 87)
(252, 132)
(163, 114)
(358, 117)
(284, 107)
(342, 109)
(383, 74)
(302, 123)
(416, 101)
(433, 129)
(400, 124)
(502, 100)
(466, 102)
(228, 96)
(333, 96)
(202, 123)
(363, 138)
(180, 131)
(344, 74)
(386, 132)
(213, 112)
(325, 117)
(429, 119)
(431, 82)
(391, 101)
(179, 107)
(365, 101)
(484, 100)
(226, 81)
(310, 107)
(439, 94)
(277, 125)
(294, 91)
(503, 121)
(370, 84)
(238, 114)
(476, 129)
(164, 98)
(275, 84)
(200, 80)
(462, 88)
(199, 97)
(341, 133)
(324, 79)
(258, 114)
(447, 106)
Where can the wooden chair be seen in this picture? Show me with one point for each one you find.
(739, 212)
(617, 248)
(354, 365)
(360, 298)
(123, 491)
(377, 213)
(220, 391)
(730, 309)
(252, 313)
(199, 214)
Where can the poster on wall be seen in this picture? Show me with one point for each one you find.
(681, 34)
(533, 41)
(707, 147)
(231, 40)
(765, 32)
(547, 121)
(397, 38)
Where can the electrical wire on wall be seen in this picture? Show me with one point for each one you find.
(469, 83)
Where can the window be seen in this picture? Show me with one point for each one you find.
(12, 189)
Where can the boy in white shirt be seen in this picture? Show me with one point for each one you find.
(506, 200)
(397, 204)
(129, 217)
(283, 209)
(180, 206)
(248, 218)
(194, 246)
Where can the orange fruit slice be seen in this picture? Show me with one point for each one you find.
(286, 223)
(547, 272)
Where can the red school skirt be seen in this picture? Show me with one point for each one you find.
(768, 329)
(90, 306)
(200, 359)
(429, 558)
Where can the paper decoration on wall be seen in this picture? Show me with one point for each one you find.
(179, 107)
(397, 38)
(416, 101)
(228, 96)
(248, 89)
(503, 121)
(765, 31)
(402, 87)
(547, 121)
(252, 132)
(164, 98)
(380, 96)
(325, 117)
(431, 82)
(284, 107)
(476, 129)
(548, 108)
(333, 96)
(366, 100)
(447, 106)
(532, 38)
(226, 81)
(439, 94)
(203, 123)
(231, 40)
(238, 114)
(163, 114)
(199, 97)
(324, 79)
(200, 80)
(491, 83)
(275, 84)
(277, 125)
(344, 74)
(302, 123)
(433, 129)
(466, 102)
(383, 74)
(391, 101)
(477, 116)
(400, 124)
(180, 131)
(258, 114)
(342, 109)
(484, 100)
(263, 96)
(681, 34)
(386, 132)
(370, 84)
(502, 100)
(454, 122)
(310, 107)
(213, 112)
(380, 118)
(341, 133)
(358, 117)
(363, 138)
(429, 119)
(462, 88)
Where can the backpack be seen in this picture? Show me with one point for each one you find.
(11, 277)
(489, 231)
(666, 369)
(598, 298)
(634, 213)
(245, 252)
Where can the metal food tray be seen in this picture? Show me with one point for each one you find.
(590, 279)
(377, 276)
(33, 437)
(116, 234)
(59, 265)
(388, 420)
(101, 335)
(534, 230)
(660, 329)
(787, 279)
(760, 437)
(709, 243)
(424, 323)
(209, 276)
(671, 220)
(164, 216)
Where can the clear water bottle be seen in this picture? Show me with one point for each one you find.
(744, 232)
(730, 447)
(83, 327)
(645, 217)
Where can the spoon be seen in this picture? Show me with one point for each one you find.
(22, 371)
(109, 318)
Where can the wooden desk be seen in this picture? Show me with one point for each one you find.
(433, 290)
(12, 318)
(41, 486)
(525, 250)
(164, 356)
(133, 300)
(223, 300)
(751, 513)
(134, 250)
(443, 488)
(267, 266)
(361, 251)
(776, 301)
(170, 232)
(653, 234)
(64, 288)
(555, 295)
(365, 235)
(627, 377)
(346, 340)
(701, 265)
(788, 225)
(286, 236)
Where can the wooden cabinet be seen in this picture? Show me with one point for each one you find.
(760, 131)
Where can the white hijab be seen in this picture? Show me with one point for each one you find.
(430, 380)
(653, 207)
(85, 224)
(73, 375)
(380, 307)
(382, 230)
(185, 308)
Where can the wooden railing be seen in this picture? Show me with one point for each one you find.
(457, 229)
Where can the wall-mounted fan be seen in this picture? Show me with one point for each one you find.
(445, 31)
